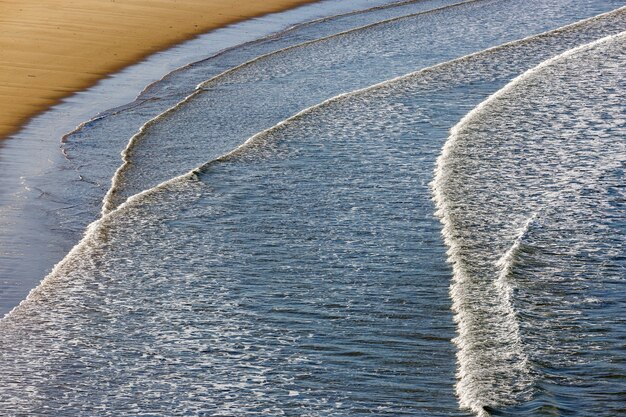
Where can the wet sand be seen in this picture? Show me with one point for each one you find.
(50, 49)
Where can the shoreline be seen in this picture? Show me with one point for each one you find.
(35, 167)
(52, 50)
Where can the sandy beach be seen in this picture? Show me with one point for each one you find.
(50, 49)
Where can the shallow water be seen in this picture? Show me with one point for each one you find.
(540, 171)
(46, 200)
(305, 272)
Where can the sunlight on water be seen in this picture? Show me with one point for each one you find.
(546, 148)
(305, 274)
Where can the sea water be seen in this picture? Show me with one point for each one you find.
(423, 216)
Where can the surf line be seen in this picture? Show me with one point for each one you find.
(470, 395)
(290, 29)
(109, 201)
(109, 198)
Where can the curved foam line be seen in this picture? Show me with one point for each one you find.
(115, 180)
(505, 263)
(475, 111)
(200, 87)
(258, 136)
(108, 198)
(91, 229)
(336, 35)
(282, 33)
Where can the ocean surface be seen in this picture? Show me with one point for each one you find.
(416, 209)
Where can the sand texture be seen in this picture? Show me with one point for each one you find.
(50, 49)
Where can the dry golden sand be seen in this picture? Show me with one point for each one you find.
(50, 49)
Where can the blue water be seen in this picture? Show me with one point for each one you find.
(423, 216)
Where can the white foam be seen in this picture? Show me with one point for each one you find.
(109, 202)
(470, 376)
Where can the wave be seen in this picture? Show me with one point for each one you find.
(137, 176)
(287, 31)
(146, 93)
(109, 201)
(204, 85)
(475, 386)
(259, 139)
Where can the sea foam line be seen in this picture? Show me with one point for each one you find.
(203, 84)
(257, 138)
(467, 391)
(108, 200)
(280, 33)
